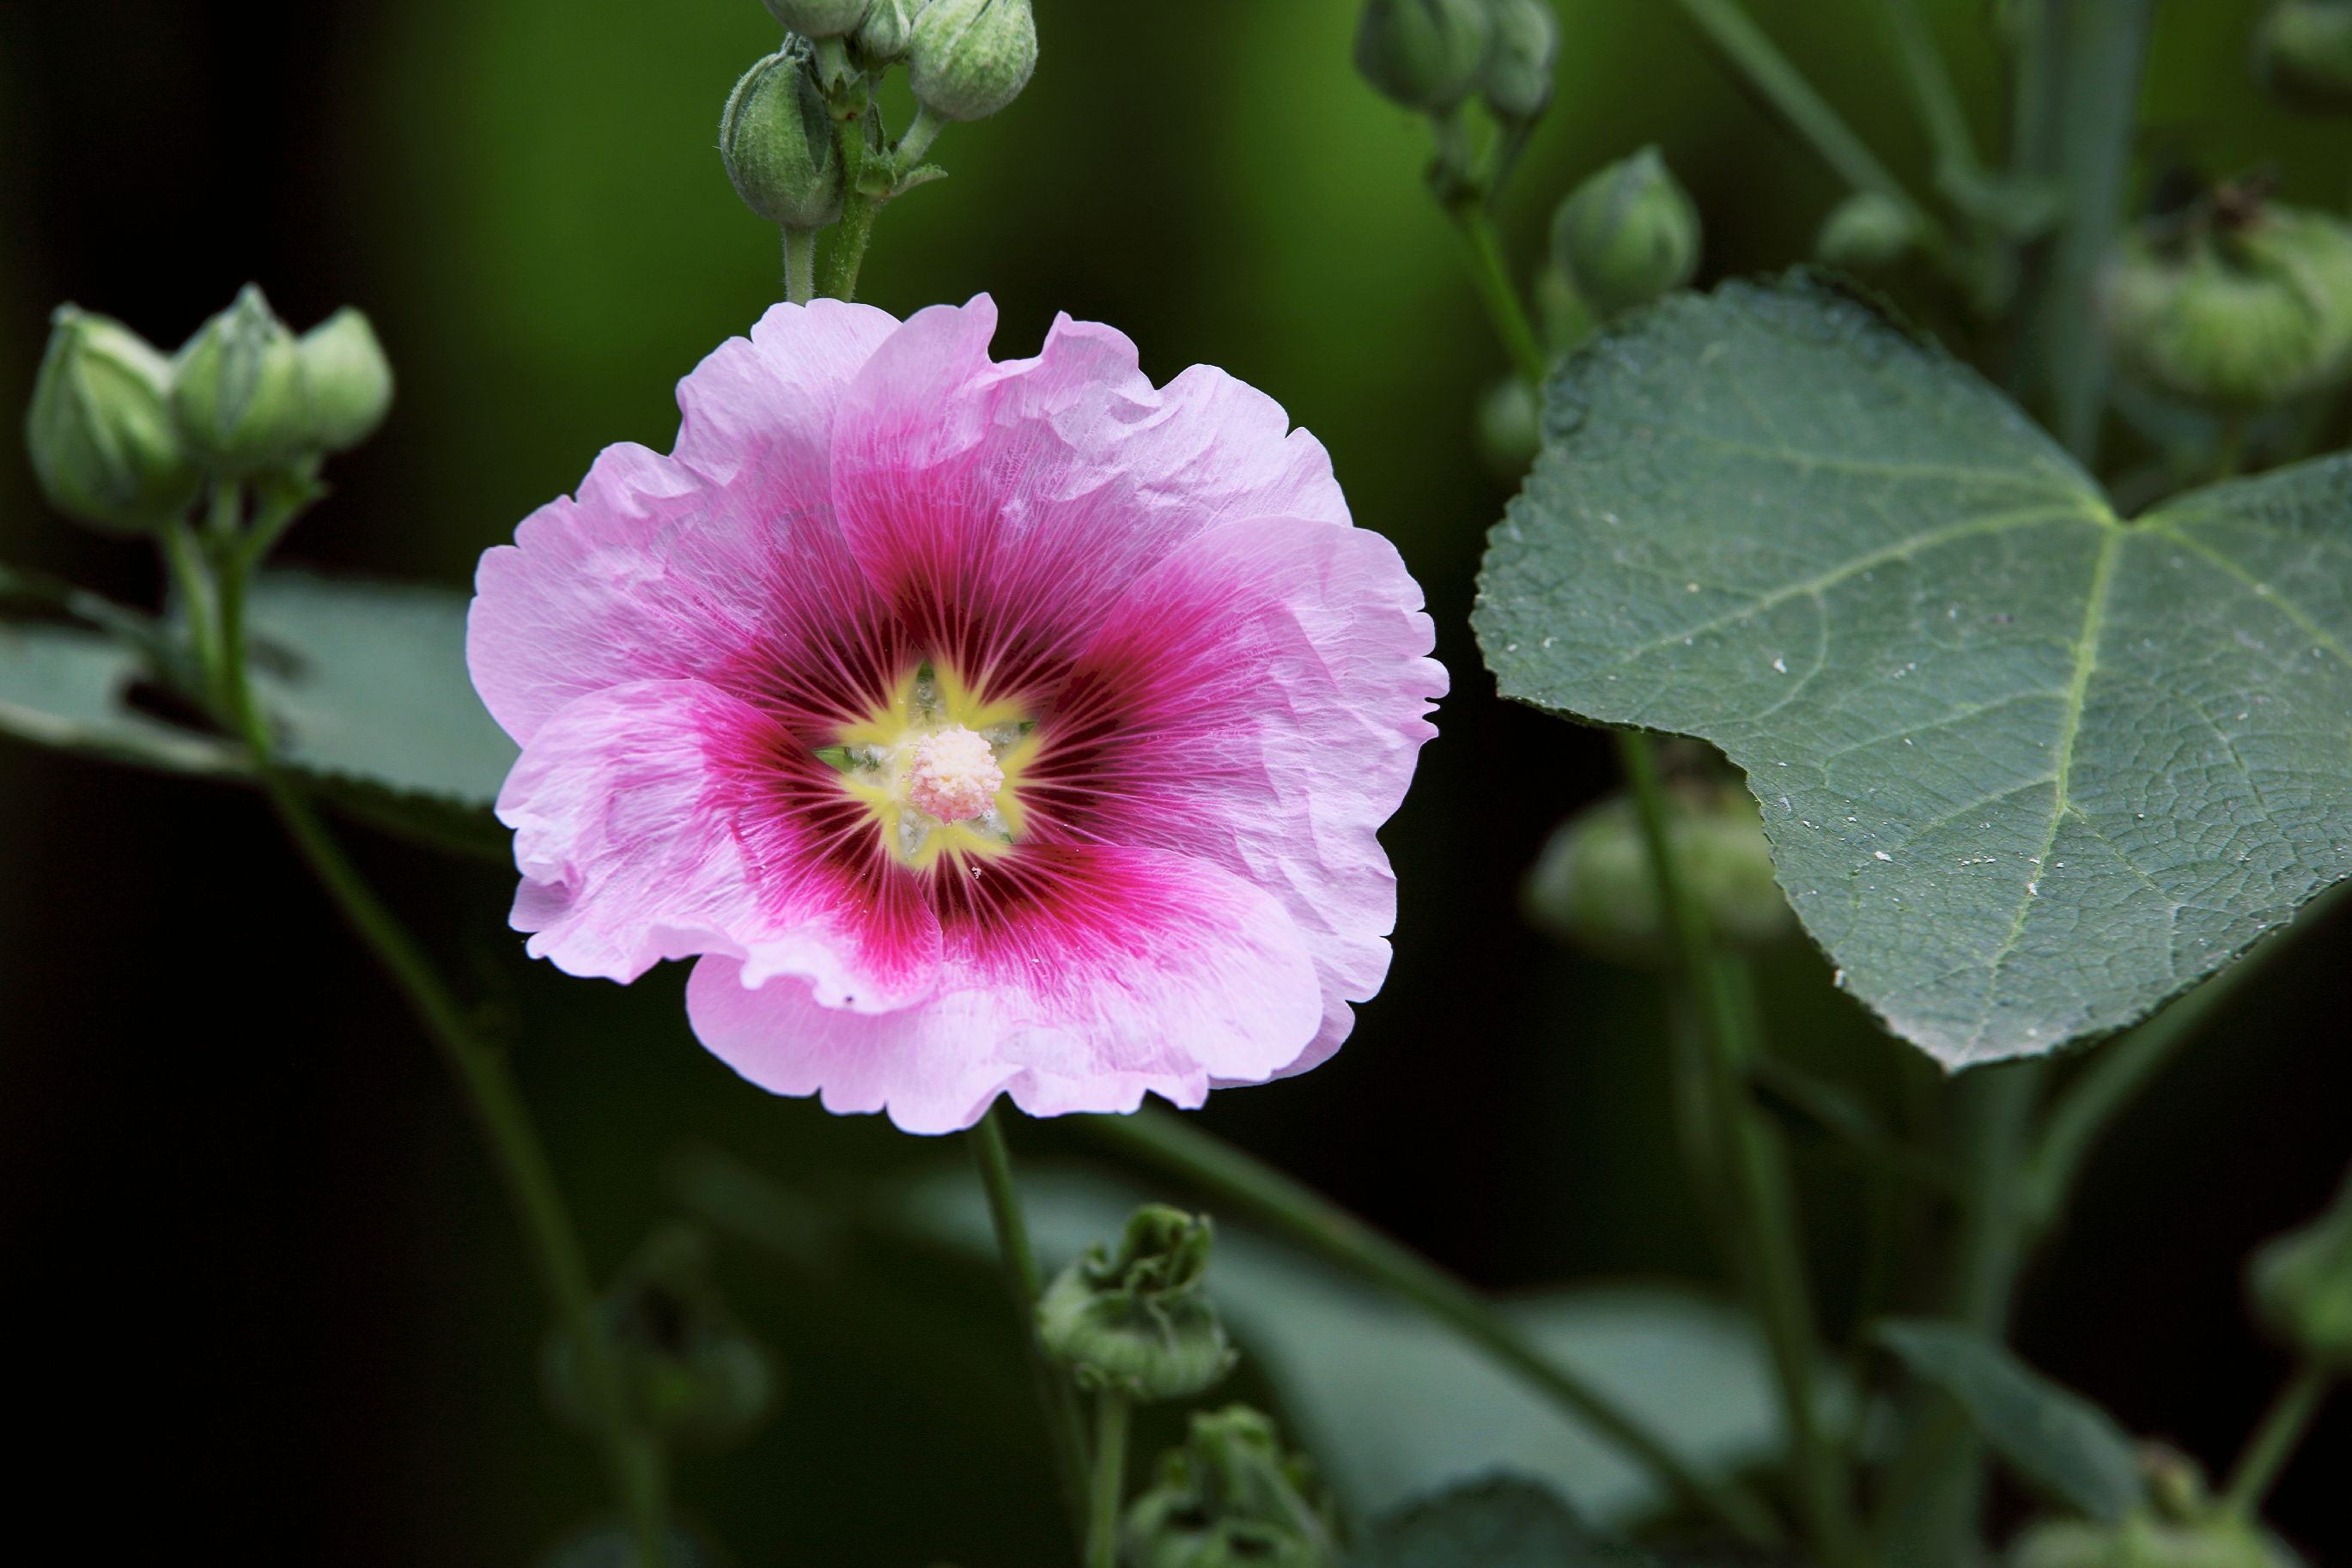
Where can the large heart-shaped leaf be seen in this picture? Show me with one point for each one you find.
(2028, 769)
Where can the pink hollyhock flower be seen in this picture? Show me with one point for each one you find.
(984, 727)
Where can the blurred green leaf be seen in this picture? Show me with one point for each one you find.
(1395, 1406)
(65, 688)
(2026, 770)
(367, 681)
(2052, 1436)
(1504, 1523)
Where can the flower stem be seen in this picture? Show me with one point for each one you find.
(1064, 1424)
(1767, 1251)
(1218, 1170)
(2274, 1441)
(1493, 277)
(1109, 1480)
(482, 1073)
(799, 264)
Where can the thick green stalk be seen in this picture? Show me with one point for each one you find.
(1256, 1190)
(2274, 1441)
(800, 265)
(1064, 1425)
(481, 1071)
(1501, 296)
(1109, 1480)
(1768, 1249)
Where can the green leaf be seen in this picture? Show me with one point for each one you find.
(65, 688)
(2053, 1437)
(367, 682)
(1503, 1523)
(1395, 1406)
(2026, 770)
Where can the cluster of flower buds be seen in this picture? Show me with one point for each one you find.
(1592, 887)
(1137, 1322)
(1431, 55)
(1229, 1497)
(2303, 53)
(690, 1369)
(2236, 304)
(965, 59)
(121, 437)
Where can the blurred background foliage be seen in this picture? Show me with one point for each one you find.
(259, 1277)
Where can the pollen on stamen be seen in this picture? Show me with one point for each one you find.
(954, 775)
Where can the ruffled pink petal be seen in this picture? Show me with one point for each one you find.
(666, 818)
(1259, 700)
(1003, 508)
(670, 566)
(1102, 974)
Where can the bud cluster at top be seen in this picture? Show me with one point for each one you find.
(121, 437)
(1431, 55)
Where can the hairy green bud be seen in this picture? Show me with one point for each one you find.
(888, 32)
(347, 380)
(1592, 886)
(99, 430)
(1229, 1497)
(1865, 233)
(777, 143)
(1516, 80)
(968, 59)
(1137, 1322)
(817, 18)
(2303, 53)
(2302, 1286)
(238, 390)
(2237, 315)
(1423, 54)
(691, 1371)
(1627, 235)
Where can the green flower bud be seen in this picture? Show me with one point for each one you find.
(99, 430)
(2302, 1286)
(1423, 54)
(1865, 233)
(2144, 1542)
(1511, 429)
(2303, 53)
(968, 59)
(2237, 315)
(238, 390)
(817, 18)
(691, 1371)
(1517, 79)
(347, 378)
(1592, 886)
(777, 142)
(1567, 320)
(1229, 1497)
(1627, 235)
(1140, 1322)
(887, 31)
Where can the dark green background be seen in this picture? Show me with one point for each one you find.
(257, 1278)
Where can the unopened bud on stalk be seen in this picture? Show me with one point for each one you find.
(99, 431)
(1592, 885)
(2302, 1286)
(887, 31)
(1627, 235)
(1229, 1497)
(238, 390)
(817, 18)
(968, 59)
(1865, 232)
(1516, 80)
(2303, 53)
(2241, 312)
(1511, 429)
(347, 380)
(777, 143)
(1423, 54)
(1137, 1322)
